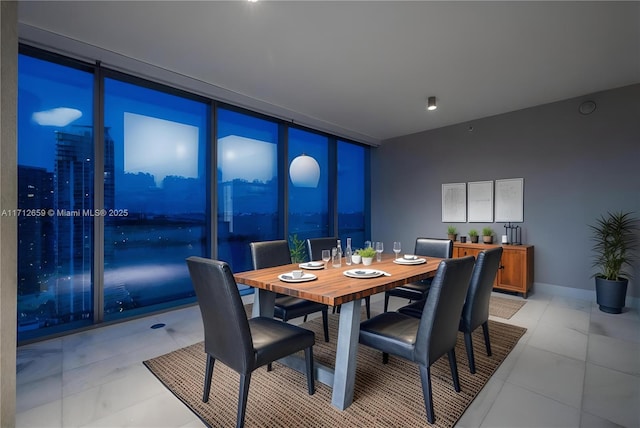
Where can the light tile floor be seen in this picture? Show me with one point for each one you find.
(574, 367)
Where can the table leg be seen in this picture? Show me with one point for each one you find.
(342, 377)
(346, 353)
(263, 303)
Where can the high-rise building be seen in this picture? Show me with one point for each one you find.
(36, 255)
(55, 246)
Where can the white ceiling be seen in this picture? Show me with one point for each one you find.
(364, 69)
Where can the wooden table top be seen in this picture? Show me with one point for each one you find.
(332, 287)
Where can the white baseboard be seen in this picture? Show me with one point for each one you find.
(579, 294)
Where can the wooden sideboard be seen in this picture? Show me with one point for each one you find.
(516, 265)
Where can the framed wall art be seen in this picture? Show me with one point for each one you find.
(509, 195)
(454, 202)
(480, 201)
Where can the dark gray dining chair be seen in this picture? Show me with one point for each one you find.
(241, 344)
(316, 245)
(427, 247)
(475, 312)
(266, 254)
(424, 340)
(314, 251)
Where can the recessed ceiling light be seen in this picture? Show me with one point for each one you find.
(431, 103)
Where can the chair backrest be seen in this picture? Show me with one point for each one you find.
(316, 245)
(270, 253)
(476, 305)
(434, 247)
(227, 336)
(438, 330)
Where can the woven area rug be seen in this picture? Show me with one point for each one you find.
(385, 395)
(502, 307)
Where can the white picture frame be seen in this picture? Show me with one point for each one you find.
(480, 202)
(509, 200)
(454, 203)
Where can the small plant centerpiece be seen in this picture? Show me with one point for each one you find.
(614, 243)
(367, 255)
(452, 232)
(297, 250)
(487, 235)
(473, 234)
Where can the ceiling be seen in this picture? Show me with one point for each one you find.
(362, 69)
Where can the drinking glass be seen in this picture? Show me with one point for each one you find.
(397, 247)
(326, 256)
(379, 249)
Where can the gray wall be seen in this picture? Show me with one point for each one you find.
(575, 168)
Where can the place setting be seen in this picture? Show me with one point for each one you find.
(365, 273)
(410, 259)
(297, 276)
(407, 259)
(312, 265)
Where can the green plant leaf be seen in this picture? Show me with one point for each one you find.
(297, 249)
(614, 244)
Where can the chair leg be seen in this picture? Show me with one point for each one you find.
(308, 357)
(454, 369)
(425, 377)
(469, 345)
(367, 303)
(269, 367)
(385, 357)
(386, 301)
(304, 319)
(207, 378)
(325, 324)
(245, 379)
(487, 342)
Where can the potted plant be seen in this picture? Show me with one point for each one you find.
(473, 234)
(614, 243)
(367, 255)
(297, 249)
(452, 232)
(487, 235)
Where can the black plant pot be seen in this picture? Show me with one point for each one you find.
(611, 294)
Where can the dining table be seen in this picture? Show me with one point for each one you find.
(343, 286)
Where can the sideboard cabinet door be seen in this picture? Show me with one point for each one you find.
(516, 265)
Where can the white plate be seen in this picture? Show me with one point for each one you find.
(312, 265)
(287, 277)
(363, 273)
(403, 261)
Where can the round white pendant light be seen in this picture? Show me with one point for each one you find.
(304, 171)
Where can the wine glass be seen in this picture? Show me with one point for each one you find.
(326, 256)
(397, 247)
(379, 249)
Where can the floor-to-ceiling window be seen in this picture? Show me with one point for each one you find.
(309, 196)
(248, 187)
(352, 191)
(106, 221)
(55, 196)
(157, 199)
